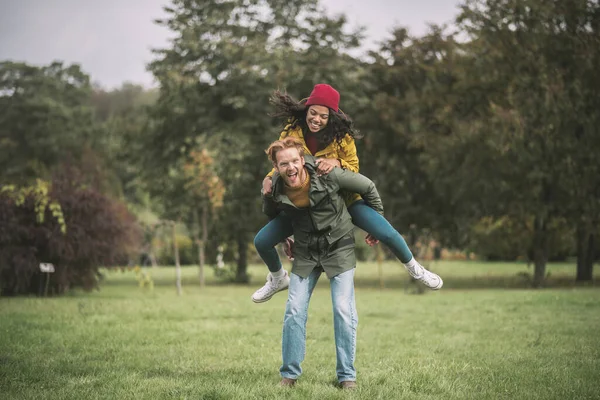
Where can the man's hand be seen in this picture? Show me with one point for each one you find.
(326, 165)
(370, 240)
(288, 248)
(267, 185)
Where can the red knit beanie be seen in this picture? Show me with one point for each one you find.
(324, 95)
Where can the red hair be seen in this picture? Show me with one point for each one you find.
(287, 143)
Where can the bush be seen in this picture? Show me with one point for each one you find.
(508, 239)
(99, 232)
(500, 239)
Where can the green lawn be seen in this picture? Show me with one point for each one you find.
(125, 342)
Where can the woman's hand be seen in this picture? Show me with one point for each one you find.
(370, 240)
(326, 165)
(267, 185)
(288, 248)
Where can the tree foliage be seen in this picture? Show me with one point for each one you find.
(484, 135)
(215, 80)
(45, 119)
(537, 60)
(410, 81)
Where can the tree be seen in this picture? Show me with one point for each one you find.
(538, 57)
(122, 117)
(206, 191)
(45, 119)
(215, 80)
(409, 82)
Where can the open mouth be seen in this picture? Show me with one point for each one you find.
(293, 177)
(313, 125)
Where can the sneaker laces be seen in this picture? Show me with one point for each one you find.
(270, 285)
(413, 271)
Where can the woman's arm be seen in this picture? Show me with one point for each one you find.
(345, 157)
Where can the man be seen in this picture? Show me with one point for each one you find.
(324, 241)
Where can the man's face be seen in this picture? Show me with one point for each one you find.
(290, 165)
(317, 118)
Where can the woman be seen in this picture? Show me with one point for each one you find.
(328, 134)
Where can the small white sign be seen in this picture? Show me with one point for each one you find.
(46, 267)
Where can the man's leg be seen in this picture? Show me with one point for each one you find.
(265, 241)
(345, 322)
(293, 344)
(374, 223)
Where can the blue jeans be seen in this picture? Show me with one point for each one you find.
(363, 217)
(345, 322)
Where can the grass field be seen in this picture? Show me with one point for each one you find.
(125, 342)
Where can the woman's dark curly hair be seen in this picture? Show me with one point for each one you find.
(293, 112)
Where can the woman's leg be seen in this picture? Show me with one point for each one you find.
(267, 238)
(374, 223)
(265, 241)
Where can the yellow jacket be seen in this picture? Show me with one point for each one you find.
(345, 152)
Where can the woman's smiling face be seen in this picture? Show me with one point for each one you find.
(317, 117)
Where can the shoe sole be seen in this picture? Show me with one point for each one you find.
(271, 296)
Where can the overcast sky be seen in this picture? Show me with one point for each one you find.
(112, 39)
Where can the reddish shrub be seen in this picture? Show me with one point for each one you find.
(100, 232)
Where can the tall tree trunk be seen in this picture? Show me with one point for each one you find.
(152, 251)
(585, 252)
(540, 251)
(241, 275)
(202, 247)
(152, 258)
(200, 243)
(177, 265)
(591, 255)
(379, 257)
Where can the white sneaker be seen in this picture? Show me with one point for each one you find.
(271, 287)
(428, 278)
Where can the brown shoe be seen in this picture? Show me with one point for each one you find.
(350, 385)
(287, 382)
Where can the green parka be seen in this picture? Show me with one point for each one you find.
(323, 232)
